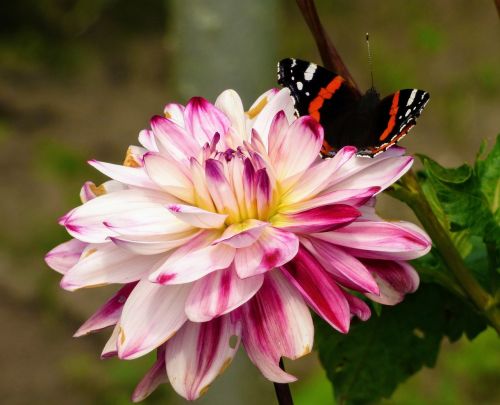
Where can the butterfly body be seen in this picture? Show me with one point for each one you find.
(348, 117)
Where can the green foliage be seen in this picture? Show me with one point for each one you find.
(376, 356)
(368, 363)
(466, 201)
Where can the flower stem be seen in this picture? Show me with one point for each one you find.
(283, 393)
(412, 194)
(329, 55)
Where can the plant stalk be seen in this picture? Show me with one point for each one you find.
(283, 393)
(412, 194)
(329, 55)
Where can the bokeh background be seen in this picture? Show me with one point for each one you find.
(80, 78)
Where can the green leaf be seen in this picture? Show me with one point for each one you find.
(459, 192)
(488, 171)
(370, 361)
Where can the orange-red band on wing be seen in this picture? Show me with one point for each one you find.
(392, 113)
(325, 93)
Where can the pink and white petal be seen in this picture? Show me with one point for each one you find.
(274, 248)
(194, 260)
(357, 306)
(155, 376)
(276, 323)
(299, 149)
(281, 101)
(198, 353)
(197, 217)
(203, 120)
(229, 102)
(111, 347)
(277, 135)
(147, 139)
(219, 293)
(65, 256)
(381, 171)
(316, 178)
(154, 244)
(173, 139)
(242, 234)
(345, 268)
(133, 206)
(319, 219)
(90, 191)
(220, 189)
(133, 176)
(395, 279)
(355, 197)
(202, 195)
(107, 264)
(319, 289)
(380, 240)
(169, 176)
(175, 112)
(108, 314)
(151, 316)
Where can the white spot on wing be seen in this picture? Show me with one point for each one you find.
(412, 97)
(309, 73)
(294, 62)
(300, 86)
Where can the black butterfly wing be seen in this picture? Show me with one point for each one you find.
(320, 93)
(394, 116)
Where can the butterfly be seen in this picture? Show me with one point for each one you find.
(349, 117)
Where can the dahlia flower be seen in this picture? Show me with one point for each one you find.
(225, 227)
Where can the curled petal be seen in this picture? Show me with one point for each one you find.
(346, 269)
(219, 293)
(111, 347)
(276, 323)
(319, 219)
(316, 179)
(357, 306)
(173, 139)
(229, 102)
(197, 217)
(133, 176)
(192, 261)
(274, 248)
(175, 112)
(380, 240)
(319, 289)
(169, 176)
(299, 148)
(203, 120)
(108, 314)
(220, 189)
(155, 376)
(147, 139)
(395, 280)
(138, 206)
(198, 353)
(65, 256)
(151, 315)
(106, 264)
(381, 171)
(355, 198)
(265, 110)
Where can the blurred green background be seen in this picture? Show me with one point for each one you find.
(80, 78)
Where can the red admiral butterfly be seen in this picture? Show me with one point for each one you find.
(347, 116)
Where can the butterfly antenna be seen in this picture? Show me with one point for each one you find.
(369, 57)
